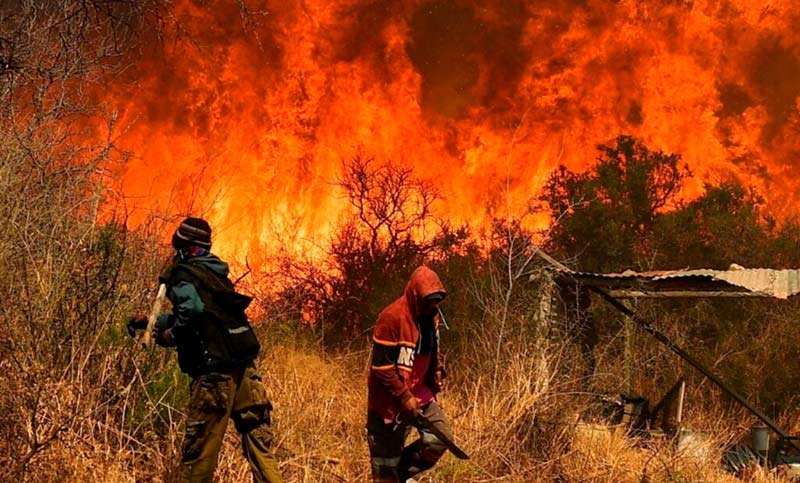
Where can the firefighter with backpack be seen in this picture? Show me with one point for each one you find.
(217, 348)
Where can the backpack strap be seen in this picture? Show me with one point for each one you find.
(196, 273)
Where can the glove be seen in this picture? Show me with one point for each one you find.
(163, 337)
(409, 407)
(137, 322)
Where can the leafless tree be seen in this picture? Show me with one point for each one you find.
(64, 288)
(390, 229)
(392, 205)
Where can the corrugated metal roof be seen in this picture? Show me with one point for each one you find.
(780, 284)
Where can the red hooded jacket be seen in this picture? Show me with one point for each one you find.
(395, 340)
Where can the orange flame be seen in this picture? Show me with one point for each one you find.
(255, 108)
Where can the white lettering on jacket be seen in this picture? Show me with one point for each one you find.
(406, 357)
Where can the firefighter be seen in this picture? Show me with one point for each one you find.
(217, 348)
(406, 374)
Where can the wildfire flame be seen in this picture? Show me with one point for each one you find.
(256, 107)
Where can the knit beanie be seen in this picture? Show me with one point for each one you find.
(192, 232)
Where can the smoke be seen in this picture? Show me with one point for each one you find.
(467, 61)
(774, 74)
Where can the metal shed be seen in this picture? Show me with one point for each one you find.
(737, 281)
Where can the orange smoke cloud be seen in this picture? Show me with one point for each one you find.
(250, 112)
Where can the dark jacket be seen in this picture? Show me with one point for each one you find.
(396, 339)
(208, 322)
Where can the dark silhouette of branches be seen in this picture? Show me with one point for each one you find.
(390, 229)
(57, 144)
(391, 204)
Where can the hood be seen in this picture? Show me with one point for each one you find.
(211, 262)
(423, 282)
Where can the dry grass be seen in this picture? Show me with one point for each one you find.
(319, 423)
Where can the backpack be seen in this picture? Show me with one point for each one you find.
(224, 338)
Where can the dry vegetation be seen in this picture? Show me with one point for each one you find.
(81, 403)
(321, 438)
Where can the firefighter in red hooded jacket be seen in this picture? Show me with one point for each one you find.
(405, 376)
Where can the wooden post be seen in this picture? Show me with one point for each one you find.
(541, 319)
(679, 412)
(629, 351)
(544, 307)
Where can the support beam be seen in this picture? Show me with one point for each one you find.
(682, 294)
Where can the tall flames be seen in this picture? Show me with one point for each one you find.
(250, 109)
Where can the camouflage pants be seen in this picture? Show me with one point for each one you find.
(215, 398)
(391, 463)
